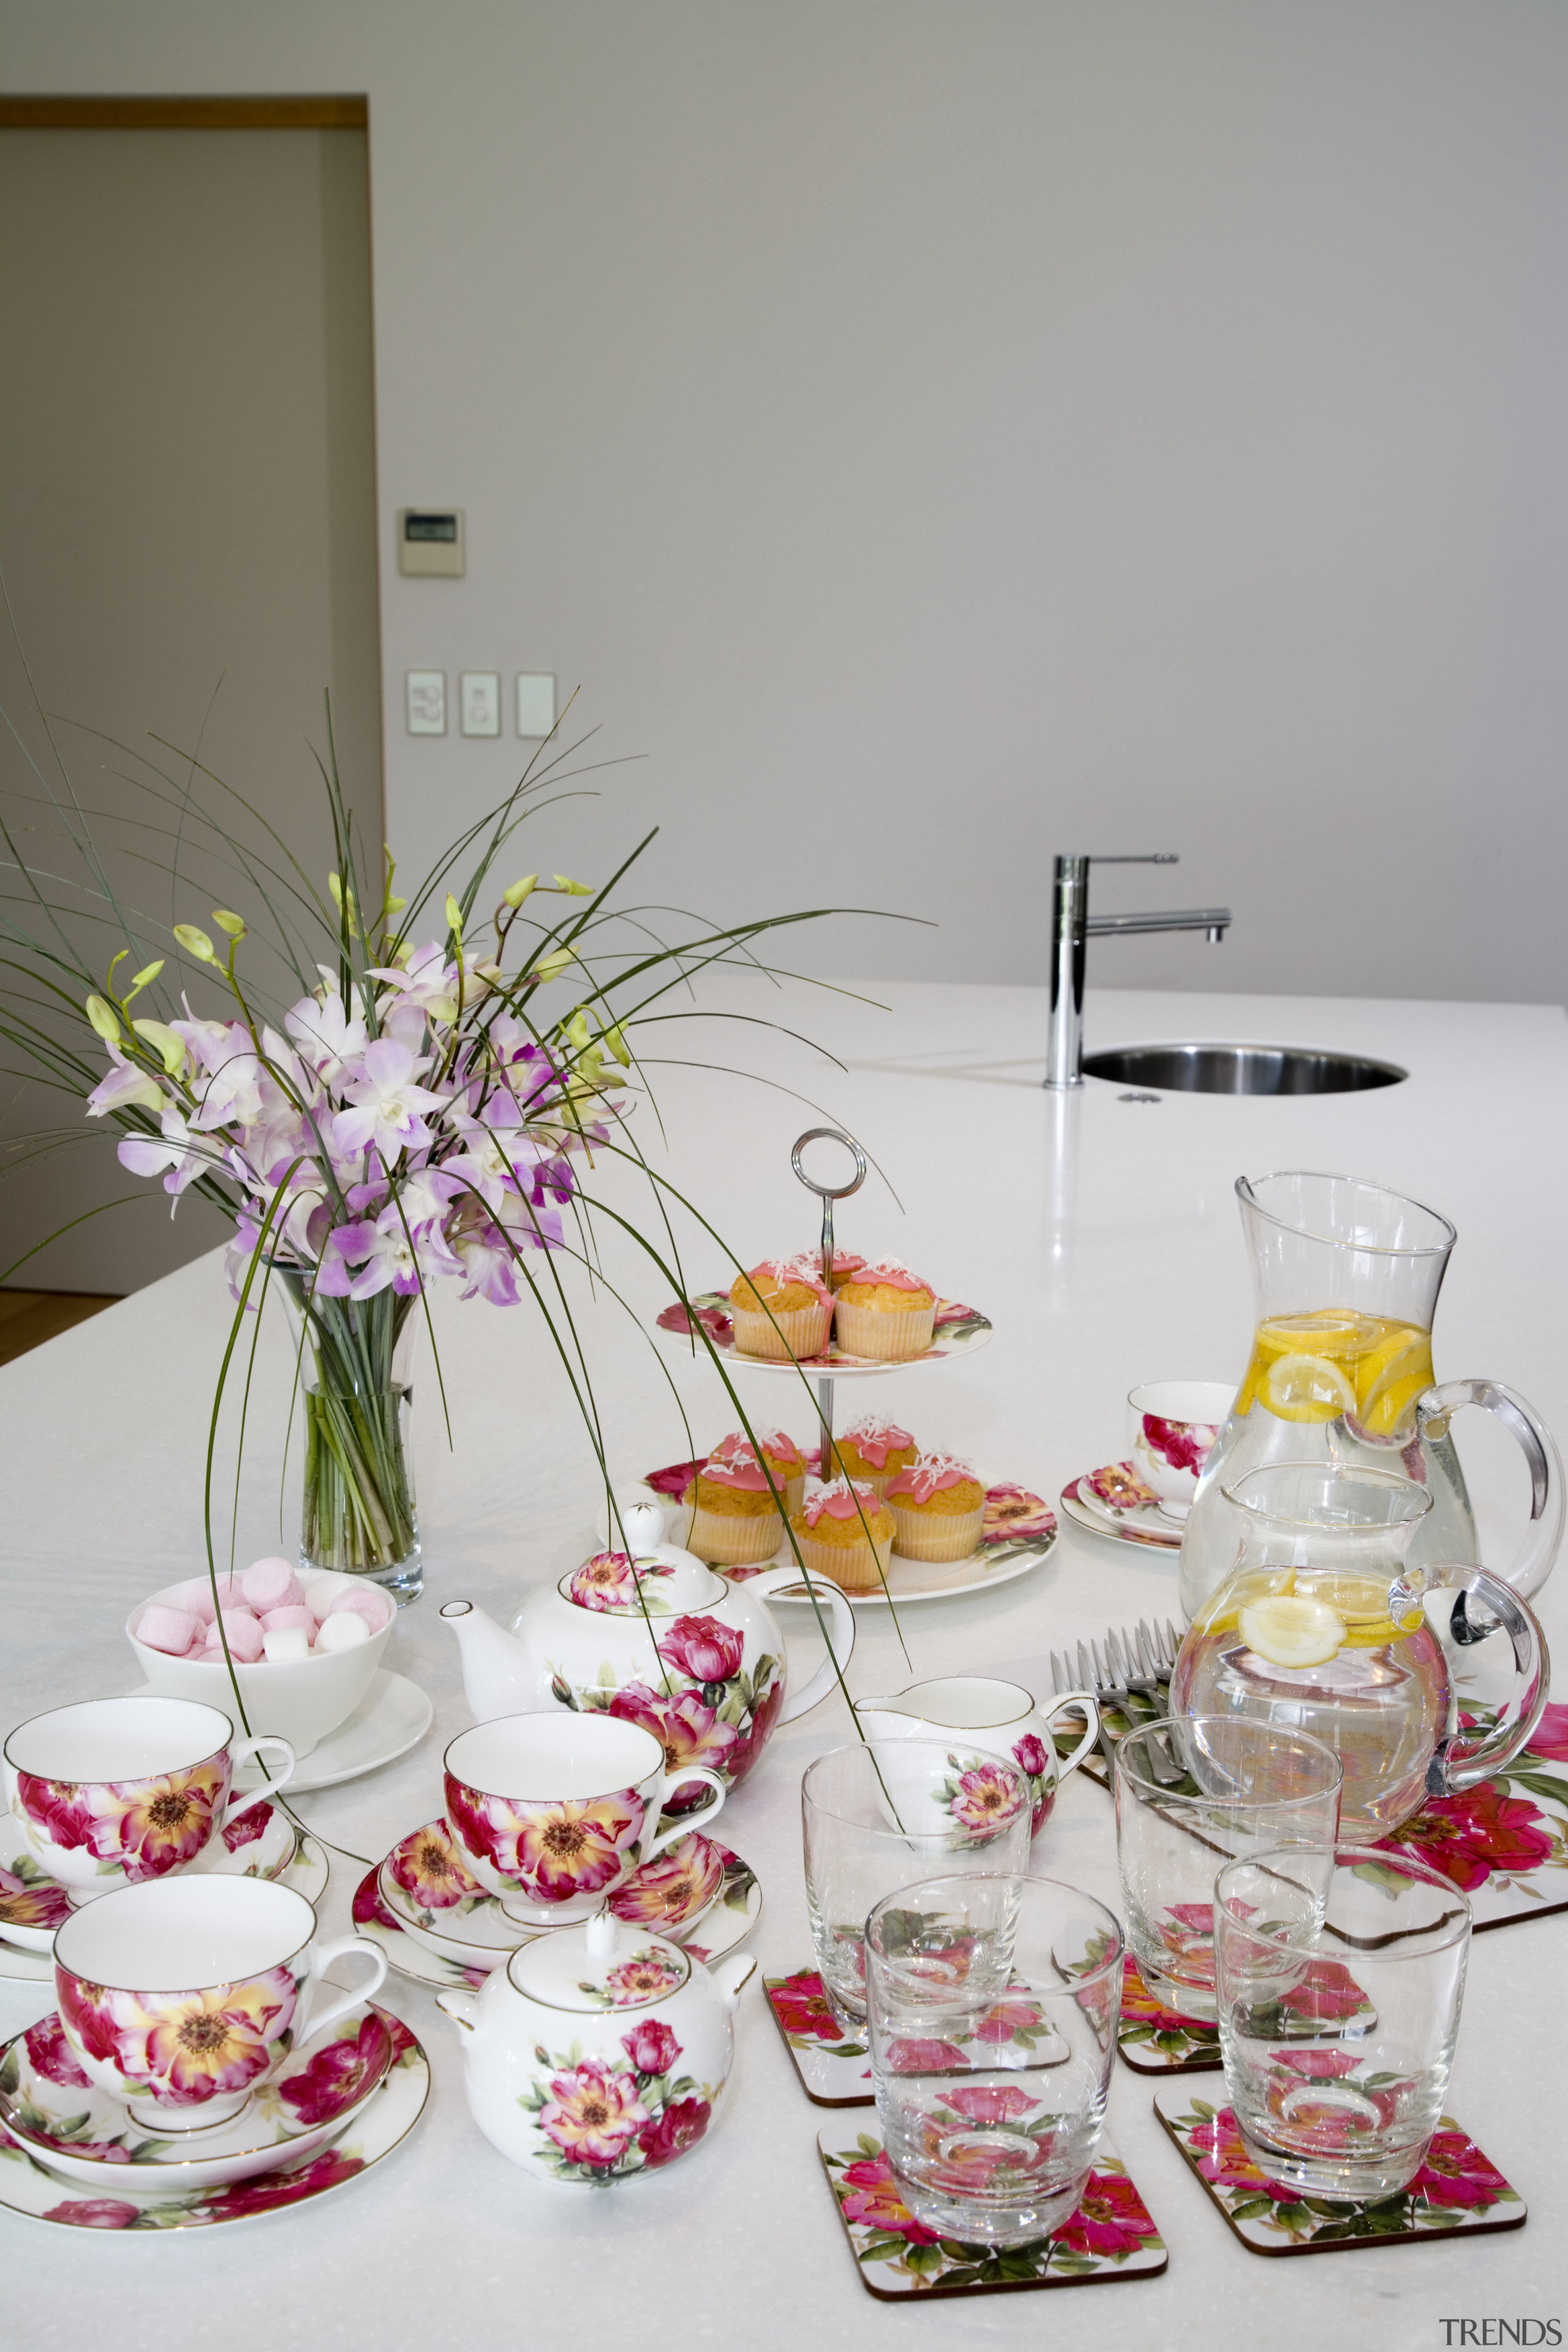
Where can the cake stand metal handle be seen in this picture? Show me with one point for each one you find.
(827, 1194)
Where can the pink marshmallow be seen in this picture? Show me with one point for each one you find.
(370, 1605)
(198, 1648)
(173, 1630)
(274, 1620)
(198, 1597)
(271, 1584)
(244, 1635)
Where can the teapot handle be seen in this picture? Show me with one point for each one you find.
(1459, 1760)
(1531, 1565)
(841, 1642)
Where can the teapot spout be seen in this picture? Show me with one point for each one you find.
(499, 1674)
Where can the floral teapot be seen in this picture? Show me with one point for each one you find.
(598, 2051)
(659, 1639)
(1000, 1718)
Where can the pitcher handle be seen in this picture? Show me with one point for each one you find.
(1459, 1762)
(1532, 1564)
(841, 1640)
(1084, 1703)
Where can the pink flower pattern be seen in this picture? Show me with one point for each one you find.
(339, 2074)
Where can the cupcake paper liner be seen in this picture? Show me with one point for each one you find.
(859, 1567)
(733, 1538)
(925, 1534)
(800, 1331)
(888, 1337)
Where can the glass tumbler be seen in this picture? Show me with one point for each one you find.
(882, 1813)
(993, 2011)
(1192, 1795)
(1341, 1977)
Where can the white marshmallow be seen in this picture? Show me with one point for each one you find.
(285, 1643)
(344, 1631)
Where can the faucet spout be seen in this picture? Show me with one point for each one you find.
(1072, 927)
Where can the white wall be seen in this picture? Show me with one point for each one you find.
(940, 434)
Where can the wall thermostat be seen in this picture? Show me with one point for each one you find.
(430, 543)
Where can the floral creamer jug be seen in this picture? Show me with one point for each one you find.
(658, 1639)
(999, 1718)
(1346, 1277)
(1320, 1628)
(598, 2051)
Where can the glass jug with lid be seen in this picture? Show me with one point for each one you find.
(1346, 1276)
(1319, 1627)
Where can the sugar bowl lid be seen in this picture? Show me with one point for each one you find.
(598, 1966)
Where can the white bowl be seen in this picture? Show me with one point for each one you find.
(301, 1698)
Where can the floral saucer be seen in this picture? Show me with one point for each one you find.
(1113, 1501)
(260, 1844)
(379, 2124)
(699, 1891)
(301, 1864)
(48, 2103)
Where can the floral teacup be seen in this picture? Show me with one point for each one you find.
(184, 1996)
(1172, 1425)
(552, 1811)
(118, 1791)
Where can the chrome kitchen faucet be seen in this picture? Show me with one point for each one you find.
(1072, 927)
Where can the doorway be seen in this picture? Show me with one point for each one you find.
(188, 536)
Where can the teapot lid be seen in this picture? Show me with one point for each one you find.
(658, 1576)
(599, 1964)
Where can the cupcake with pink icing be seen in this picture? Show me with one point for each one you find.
(885, 1313)
(785, 1460)
(782, 1310)
(938, 1508)
(872, 1450)
(845, 1533)
(735, 1519)
(846, 1265)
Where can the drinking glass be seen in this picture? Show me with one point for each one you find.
(1192, 1794)
(883, 1814)
(1341, 1977)
(993, 2008)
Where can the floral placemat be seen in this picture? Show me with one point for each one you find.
(1154, 2040)
(1458, 2188)
(833, 2072)
(1110, 2236)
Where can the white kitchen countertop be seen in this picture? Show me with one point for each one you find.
(1103, 1240)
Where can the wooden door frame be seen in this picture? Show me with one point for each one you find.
(345, 113)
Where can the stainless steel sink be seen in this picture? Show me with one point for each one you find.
(1210, 1070)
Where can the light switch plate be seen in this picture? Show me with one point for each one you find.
(535, 702)
(430, 543)
(426, 691)
(479, 701)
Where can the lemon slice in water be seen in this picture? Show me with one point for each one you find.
(1306, 1388)
(1287, 1631)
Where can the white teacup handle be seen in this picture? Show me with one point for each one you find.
(686, 1823)
(1090, 1706)
(341, 1947)
(841, 1642)
(240, 1752)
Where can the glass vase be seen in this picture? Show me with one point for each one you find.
(355, 1359)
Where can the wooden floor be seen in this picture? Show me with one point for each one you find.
(28, 1317)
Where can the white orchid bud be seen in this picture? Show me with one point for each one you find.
(104, 1019)
(521, 890)
(163, 1040)
(196, 943)
(231, 924)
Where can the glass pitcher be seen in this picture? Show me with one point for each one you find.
(1319, 1627)
(1346, 1277)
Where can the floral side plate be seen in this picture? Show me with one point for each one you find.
(1018, 1532)
(1113, 1501)
(48, 2103)
(380, 2124)
(958, 1331)
(661, 1896)
(261, 1844)
(303, 1866)
(1113, 2234)
(1457, 2188)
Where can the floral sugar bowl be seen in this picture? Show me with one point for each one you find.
(598, 2051)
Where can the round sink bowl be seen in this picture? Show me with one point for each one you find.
(1210, 1070)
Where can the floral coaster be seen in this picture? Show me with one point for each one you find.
(1154, 2040)
(833, 2072)
(1110, 2236)
(1458, 2188)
